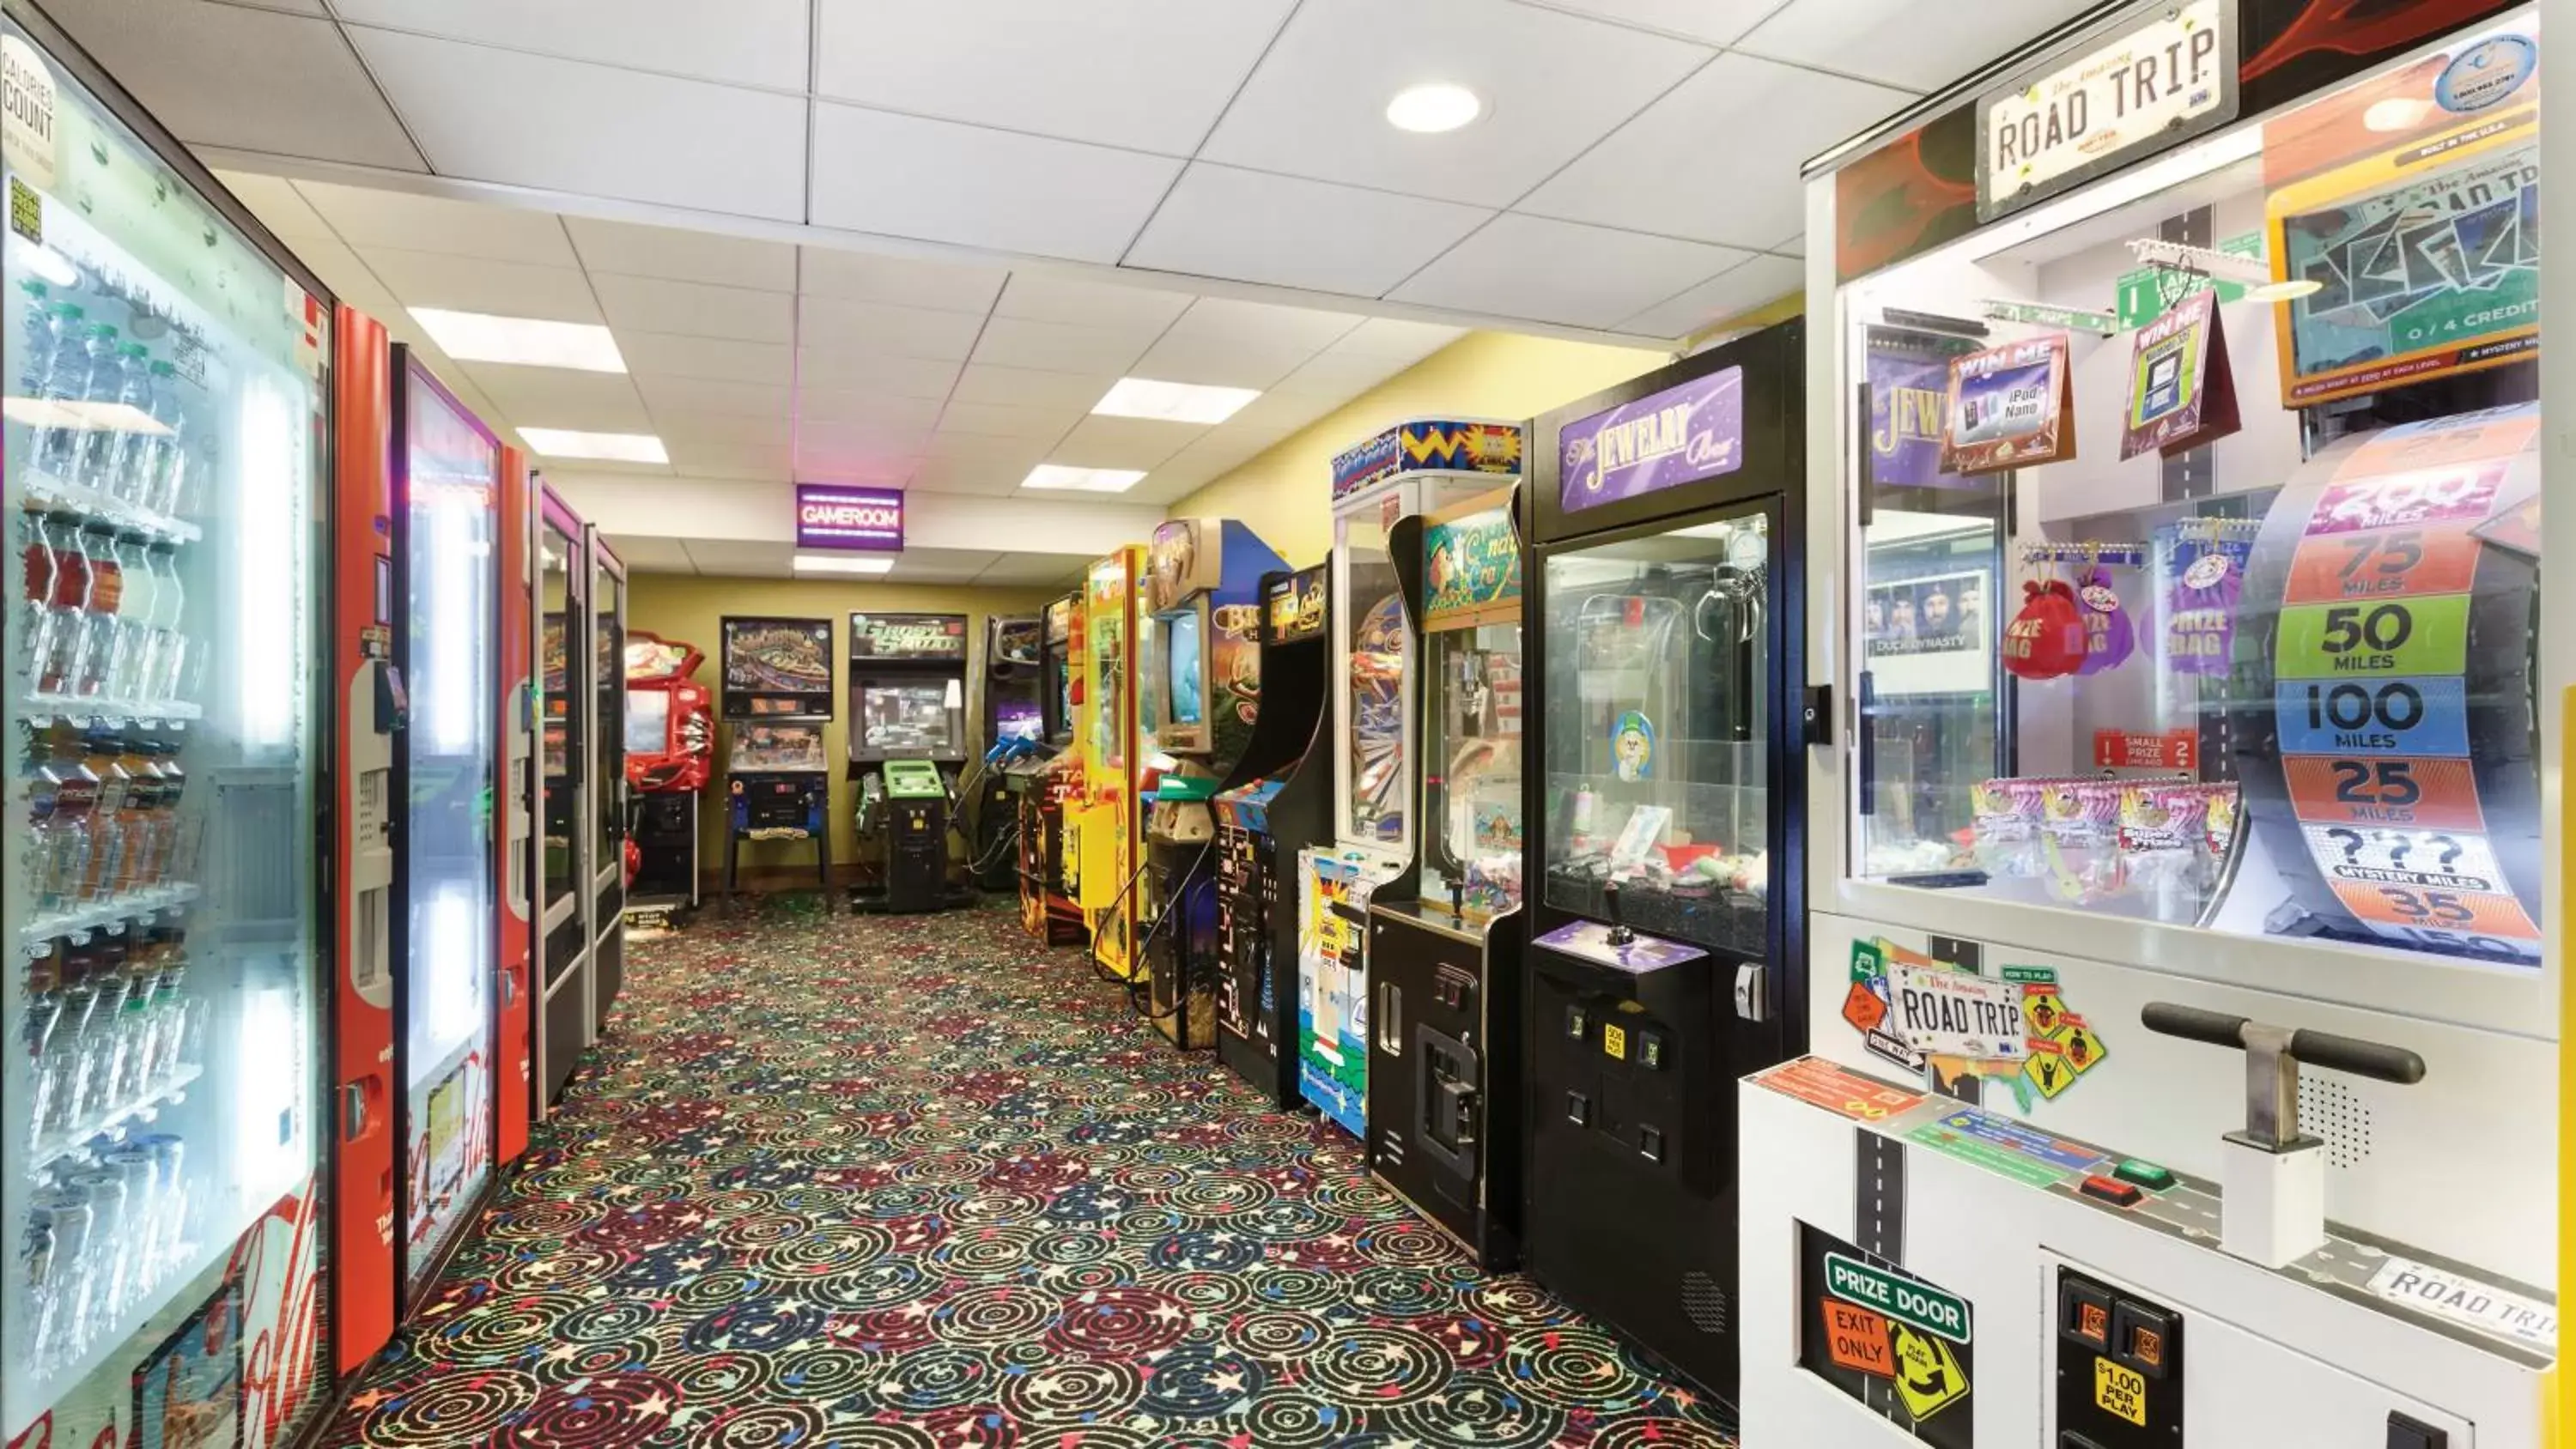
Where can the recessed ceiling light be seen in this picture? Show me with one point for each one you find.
(1082, 480)
(527, 341)
(1173, 402)
(1433, 107)
(832, 563)
(613, 447)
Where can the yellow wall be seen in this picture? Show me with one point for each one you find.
(1286, 493)
(686, 607)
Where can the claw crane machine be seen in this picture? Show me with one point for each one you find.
(1105, 822)
(168, 705)
(1412, 467)
(1047, 861)
(2182, 857)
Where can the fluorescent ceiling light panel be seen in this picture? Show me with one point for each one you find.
(1082, 480)
(527, 341)
(820, 563)
(1173, 402)
(612, 447)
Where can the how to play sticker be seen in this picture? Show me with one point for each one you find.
(1919, 1014)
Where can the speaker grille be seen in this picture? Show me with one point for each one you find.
(2330, 1110)
(1704, 1302)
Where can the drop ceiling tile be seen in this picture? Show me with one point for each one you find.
(676, 423)
(864, 440)
(1558, 271)
(1317, 105)
(1145, 443)
(1031, 570)
(524, 120)
(940, 475)
(1795, 246)
(476, 284)
(868, 409)
(646, 554)
(695, 309)
(278, 205)
(1262, 324)
(1015, 456)
(681, 255)
(561, 397)
(1042, 296)
(1718, 22)
(719, 359)
(747, 462)
(598, 466)
(1056, 347)
(1902, 43)
(367, 216)
(1280, 410)
(1148, 74)
(350, 281)
(998, 190)
(1030, 387)
(701, 394)
(883, 472)
(1762, 280)
(1340, 376)
(1288, 232)
(759, 43)
(1395, 338)
(212, 74)
(838, 325)
(1745, 196)
(1001, 420)
(743, 559)
(1214, 362)
(918, 377)
(904, 281)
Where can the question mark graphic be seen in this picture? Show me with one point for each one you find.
(2350, 840)
(2397, 853)
(2452, 850)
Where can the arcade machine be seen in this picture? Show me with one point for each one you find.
(1201, 702)
(1664, 779)
(1279, 811)
(907, 741)
(1413, 467)
(1047, 907)
(670, 752)
(777, 698)
(1106, 821)
(1443, 1108)
(1014, 744)
(2184, 1075)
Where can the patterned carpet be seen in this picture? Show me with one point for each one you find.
(907, 1183)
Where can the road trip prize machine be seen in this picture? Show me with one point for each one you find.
(1663, 735)
(1263, 825)
(1047, 907)
(670, 752)
(2177, 1078)
(1444, 965)
(1105, 826)
(907, 743)
(1015, 748)
(777, 698)
(1201, 703)
(163, 1107)
(1411, 468)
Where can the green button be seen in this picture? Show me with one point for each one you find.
(2145, 1174)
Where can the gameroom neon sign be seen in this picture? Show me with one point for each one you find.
(832, 516)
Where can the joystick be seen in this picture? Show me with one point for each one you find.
(1619, 935)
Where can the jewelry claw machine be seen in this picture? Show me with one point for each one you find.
(1413, 467)
(2182, 859)
(168, 431)
(1665, 780)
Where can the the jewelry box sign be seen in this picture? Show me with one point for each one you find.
(833, 516)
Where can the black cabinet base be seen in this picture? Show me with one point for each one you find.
(1443, 1129)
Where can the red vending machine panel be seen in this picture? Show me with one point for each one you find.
(513, 820)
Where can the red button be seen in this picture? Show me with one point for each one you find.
(2119, 1194)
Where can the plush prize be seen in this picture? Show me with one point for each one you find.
(2046, 639)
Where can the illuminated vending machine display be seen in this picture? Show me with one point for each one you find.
(163, 1122)
(1201, 704)
(1047, 907)
(1444, 964)
(1413, 467)
(1106, 821)
(2180, 872)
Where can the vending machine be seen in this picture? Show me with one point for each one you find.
(2183, 838)
(670, 754)
(1106, 820)
(1665, 741)
(1445, 964)
(1411, 468)
(778, 695)
(1201, 677)
(608, 801)
(1047, 859)
(1263, 827)
(514, 818)
(166, 1146)
(559, 588)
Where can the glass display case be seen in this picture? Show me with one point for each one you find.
(564, 756)
(1472, 711)
(160, 1150)
(1369, 770)
(608, 791)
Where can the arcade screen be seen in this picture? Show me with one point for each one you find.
(781, 746)
(2260, 656)
(910, 716)
(777, 667)
(1187, 653)
(648, 721)
(1017, 719)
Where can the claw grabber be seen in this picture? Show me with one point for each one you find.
(2271, 1176)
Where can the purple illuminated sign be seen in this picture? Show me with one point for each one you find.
(1679, 435)
(829, 515)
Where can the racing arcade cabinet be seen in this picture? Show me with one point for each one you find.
(777, 698)
(1443, 1081)
(907, 739)
(1201, 699)
(1665, 957)
(1047, 907)
(670, 751)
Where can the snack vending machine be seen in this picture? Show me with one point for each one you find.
(1411, 468)
(173, 678)
(2183, 854)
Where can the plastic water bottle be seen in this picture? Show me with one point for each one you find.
(57, 369)
(93, 378)
(125, 383)
(166, 458)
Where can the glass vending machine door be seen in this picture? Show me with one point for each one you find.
(608, 775)
(450, 485)
(159, 1155)
(562, 757)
